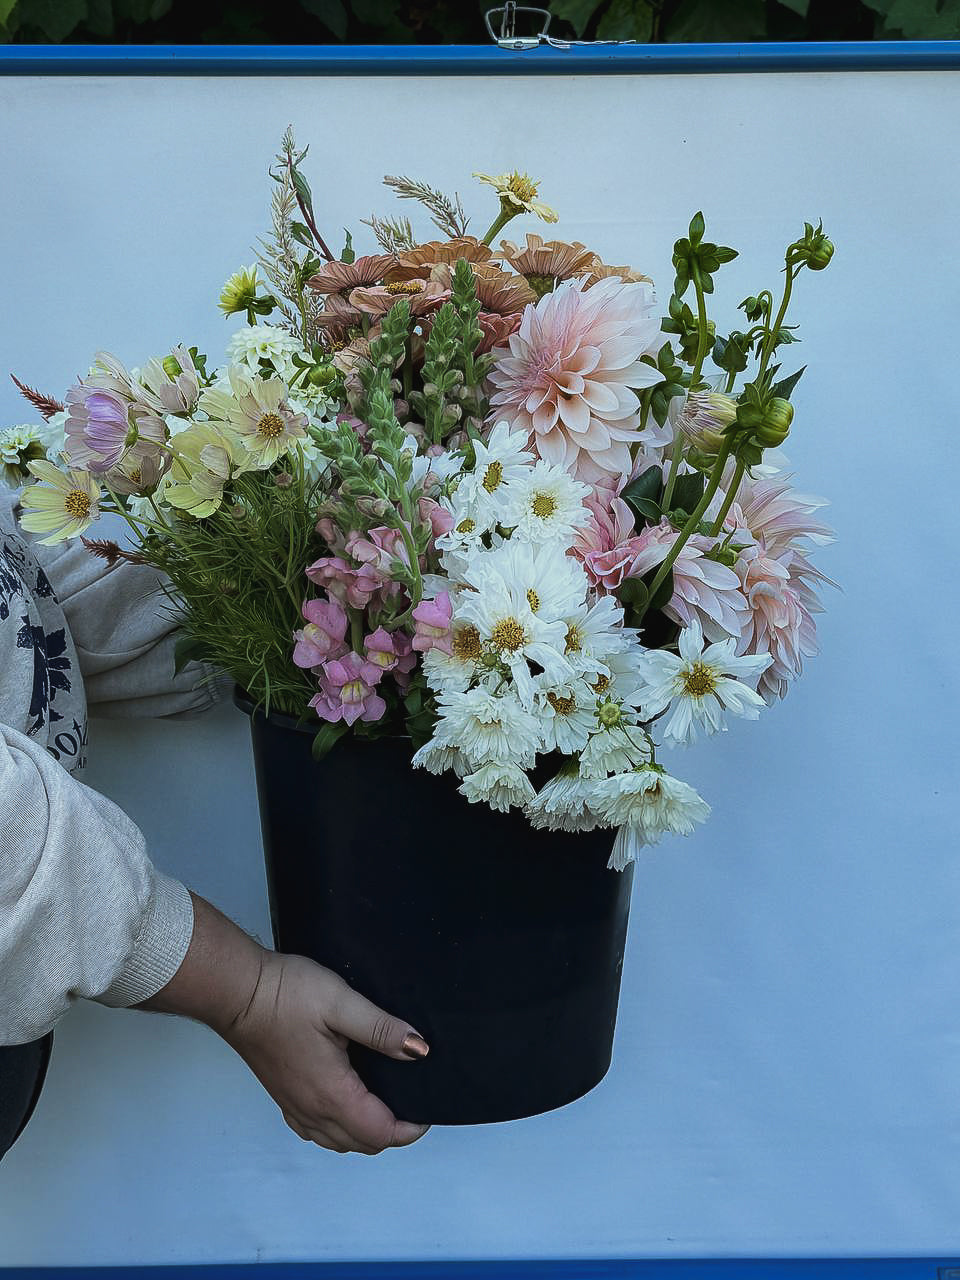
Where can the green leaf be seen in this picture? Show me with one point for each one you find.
(918, 19)
(327, 738)
(6, 8)
(688, 490)
(301, 232)
(57, 19)
(641, 495)
(628, 20)
(697, 228)
(331, 13)
(186, 649)
(796, 6)
(663, 594)
(633, 594)
(786, 385)
(577, 12)
(703, 21)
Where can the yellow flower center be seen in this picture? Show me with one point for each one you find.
(562, 706)
(533, 600)
(698, 680)
(466, 526)
(522, 186)
(493, 476)
(574, 640)
(270, 426)
(466, 644)
(405, 286)
(544, 505)
(602, 685)
(77, 504)
(508, 634)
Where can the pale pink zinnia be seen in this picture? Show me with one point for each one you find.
(571, 371)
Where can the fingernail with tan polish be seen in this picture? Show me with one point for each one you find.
(414, 1046)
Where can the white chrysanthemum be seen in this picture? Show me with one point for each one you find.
(567, 714)
(501, 460)
(63, 505)
(594, 633)
(508, 627)
(614, 750)
(487, 727)
(554, 584)
(546, 505)
(437, 758)
(565, 803)
(18, 446)
(699, 685)
(650, 801)
(499, 786)
(252, 343)
(454, 672)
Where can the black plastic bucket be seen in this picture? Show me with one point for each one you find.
(502, 945)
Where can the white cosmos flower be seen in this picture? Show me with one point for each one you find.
(650, 803)
(454, 672)
(595, 632)
(499, 785)
(546, 505)
(487, 727)
(614, 750)
(500, 461)
(554, 584)
(699, 685)
(565, 803)
(437, 758)
(567, 715)
(62, 505)
(620, 679)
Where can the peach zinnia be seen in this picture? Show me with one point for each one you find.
(545, 264)
(571, 372)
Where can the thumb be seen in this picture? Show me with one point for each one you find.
(357, 1018)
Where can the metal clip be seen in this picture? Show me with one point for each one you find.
(507, 39)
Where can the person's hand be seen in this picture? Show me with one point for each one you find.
(291, 1020)
(294, 1034)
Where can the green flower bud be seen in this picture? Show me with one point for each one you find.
(820, 254)
(609, 715)
(775, 427)
(321, 375)
(171, 367)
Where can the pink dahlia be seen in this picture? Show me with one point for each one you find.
(776, 515)
(571, 371)
(779, 589)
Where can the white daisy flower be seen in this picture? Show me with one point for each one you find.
(554, 584)
(63, 505)
(546, 504)
(565, 803)
(437, 758)
(614, 750)
(501, 460)
(699, 685)
(487, 727)
(567, 715)
(499, 785)
(651, 802)
(595, 632)
(454, 672)
(619, 680)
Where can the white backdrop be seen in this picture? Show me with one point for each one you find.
(787, 1071)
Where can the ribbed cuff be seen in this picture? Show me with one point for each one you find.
(160, 947)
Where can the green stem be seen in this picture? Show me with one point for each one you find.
(499, 222)
(702, 345)
(767, 349)
(692, 524)
(728, 500)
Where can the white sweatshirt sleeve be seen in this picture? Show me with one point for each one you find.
(83, 912)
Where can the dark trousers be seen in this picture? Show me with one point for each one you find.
(23, 1068)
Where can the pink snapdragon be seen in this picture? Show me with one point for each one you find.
(433, 629)
(356, 587)
(348, 691)
(406, 660)
(323, 636)
(380, 650)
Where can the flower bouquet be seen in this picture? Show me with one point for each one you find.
(476, 533)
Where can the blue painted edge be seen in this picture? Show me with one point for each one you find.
(871, 55)
(560, 1269)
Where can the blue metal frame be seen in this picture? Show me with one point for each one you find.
(563, 1269)
(456, 60)
(339, 60)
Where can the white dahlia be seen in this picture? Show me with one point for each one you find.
(546, 505)
(499, 786)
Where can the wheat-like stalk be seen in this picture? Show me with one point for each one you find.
(447, 215)
(395, 235)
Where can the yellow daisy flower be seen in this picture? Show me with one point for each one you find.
(63, 505)
(518, 192)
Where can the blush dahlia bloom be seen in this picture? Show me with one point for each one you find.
(569, 376)
(782, 602)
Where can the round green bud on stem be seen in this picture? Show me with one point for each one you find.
(171, 366)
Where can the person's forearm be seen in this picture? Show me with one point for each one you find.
(218, 976)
